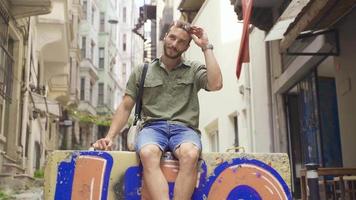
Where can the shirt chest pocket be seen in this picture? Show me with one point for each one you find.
(184, 82)
(184, 86)
(152, 89)
(153, 83)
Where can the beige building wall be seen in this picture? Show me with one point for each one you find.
(261, 110)
(50, 54)
(219, 108)
(10, 111)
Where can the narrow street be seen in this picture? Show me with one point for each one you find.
(264, 87)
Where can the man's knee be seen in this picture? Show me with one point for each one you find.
(188, 154)
(150, 154)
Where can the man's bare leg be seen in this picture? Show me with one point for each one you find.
(188, 156)
(154, 179)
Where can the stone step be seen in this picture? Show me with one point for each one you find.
(12, 168)
(8, 159)
(16, 182)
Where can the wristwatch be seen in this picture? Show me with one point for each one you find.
(209, 46)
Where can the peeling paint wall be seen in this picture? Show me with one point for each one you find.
(118, 175)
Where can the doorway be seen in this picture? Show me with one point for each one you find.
(313, 123)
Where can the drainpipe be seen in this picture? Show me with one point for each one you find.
(269, 92)
(249, 105)
(26, 95)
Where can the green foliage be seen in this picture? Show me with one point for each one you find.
(100, 120)
(39, 173)
(4, 196)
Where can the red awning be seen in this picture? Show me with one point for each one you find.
(244, 55)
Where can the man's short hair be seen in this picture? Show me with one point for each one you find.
(181, 24)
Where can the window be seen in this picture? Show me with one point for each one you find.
(212, 130)
(4, 25)
(236, 131)
(84, 44)
(92, 51)
(5, 56)
(85, 9)
(124, 14)
(101, 94)
(71, 71)
(101, 57)
(92, 15)
(124, 71)
(82, 88)
(102, 22)
(6, 73)
(6, 69)
(91, 92)
(214, 139)
(109, 96)
(124, 42)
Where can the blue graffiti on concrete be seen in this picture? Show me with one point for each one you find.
(66, 171)
(240, 193)
(133, 182)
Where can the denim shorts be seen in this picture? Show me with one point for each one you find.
(167, 136)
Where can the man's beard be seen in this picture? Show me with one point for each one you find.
(165, 48)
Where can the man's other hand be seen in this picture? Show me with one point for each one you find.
(103, 144)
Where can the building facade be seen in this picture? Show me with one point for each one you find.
(108, 82)
(130, 51)
(14, 36)
(36, 50)
(307, 48)
(88, 76)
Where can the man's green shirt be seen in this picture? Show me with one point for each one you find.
(170, 95)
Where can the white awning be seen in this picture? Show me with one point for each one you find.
(41, 103)
(288, 16)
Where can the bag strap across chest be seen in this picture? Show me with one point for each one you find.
(139, 95)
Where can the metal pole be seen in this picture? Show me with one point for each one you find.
(313, 181)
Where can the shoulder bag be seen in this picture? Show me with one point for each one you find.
(137, 123)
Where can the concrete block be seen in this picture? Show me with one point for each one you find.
(100, 175)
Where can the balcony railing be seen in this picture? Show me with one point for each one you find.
(6, 73)
(334, 183)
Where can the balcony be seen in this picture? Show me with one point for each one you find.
(88, 68)
(87, 107)
(53, 42)
(26, 8)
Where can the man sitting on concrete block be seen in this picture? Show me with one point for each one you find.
(170, 110)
